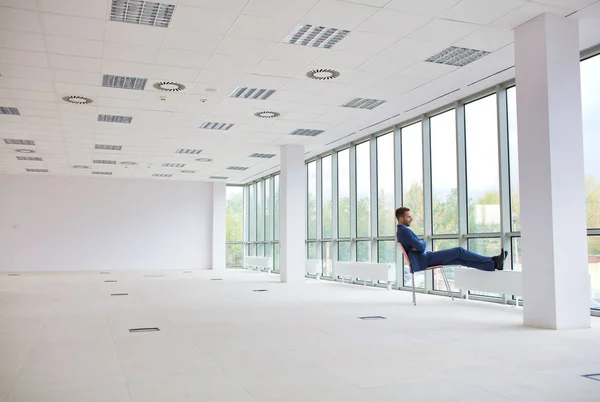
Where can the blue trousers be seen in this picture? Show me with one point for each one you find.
(460, 256)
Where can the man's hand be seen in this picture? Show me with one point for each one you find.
(414, 249)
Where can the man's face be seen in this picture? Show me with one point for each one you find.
(406, 219)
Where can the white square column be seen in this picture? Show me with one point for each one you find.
(292, 214)
(219, 222)
(556, 286)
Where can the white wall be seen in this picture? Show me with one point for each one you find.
(49, 224)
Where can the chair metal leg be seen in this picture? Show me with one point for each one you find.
(413, 288)
(447, 283)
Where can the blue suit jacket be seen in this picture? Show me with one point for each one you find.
(406, 237)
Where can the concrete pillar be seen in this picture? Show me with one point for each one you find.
(556, 287)
(292, 214)
(219, 226)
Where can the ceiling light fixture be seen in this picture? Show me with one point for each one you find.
(25, 151)
(263, 156)
(323, 74)
(265, 114)
(162, 175)
(115, 119)
(127, 163)
(103, 173)
(219, 177)
(109, 147)
(104, 162)
(307, 132)
(13, 111)
(78, 100)
(37, 170)
(457, 56)
(252, 93)
(364, 103)
(142, 12)
(316, 36)
(169, 86)
(188, 171)
(80, 167)
(237, 168)
(209, 125)
(204, 160)
(30, 158)
(173, 165)
(123, 82)
(188, 151)
(12, 141)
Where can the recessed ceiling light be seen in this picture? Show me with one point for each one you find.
(204, 160)
(457, 56)
(252, 93)
(78, 100)
(364, 103)
(37, 170)
(104, 162)
(123, 82)
(209, 125)
(11, 141)
(323, 74)
(127, 163)
(211, 89)
(265, 114)
(9, 110)
(237, 168)
(219, 177)
(307, 132)
(114, 119)
(315, 36)
(258, 155)
(142, 12)
(169, 86)
(188, 151)
(173, 165)
(109, 147)
(30, 158)
(80, 167)
(162, 175)
(25, 151)
(188, 171)
(103, 173)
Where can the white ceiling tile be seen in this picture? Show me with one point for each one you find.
(202, 20)
(75, 27)
(190, 40)
(444, 31)
(243, 47)
(361, 77)
(289, 96)
(305, 85)
(528, 12)
(431, 8)
(339, 14)
(295, 53)
(264, 81)
(80, 8)
(87, 64)
(28, 104)
(73, 47)
(428, 70)
(19, 20)
(393, 23)
(126, 69)
(77, 77)
(23, 57)
(77, 89)
(30, 85)
(255, 27)
(231, 6)
(336, 94)
(132, 34)
(130, 53)
(366, 43)
(488, 38)
(36, 73)
(403, 54)
(231, 63)
(341, 59)
(39, 113)
(181, 58)
(22, 40)
(294, 10)
(279, 68)
(177, 74)
(24, 4)
(33, 95)
(402, 83)
(481, 12)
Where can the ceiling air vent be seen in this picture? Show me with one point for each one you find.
(37, 170)
(236, 168)
(109, 147)
(188, 151)
(264, 156)
(363, 103)
(307, 132)
(9, 110)
(209, 125)
(104, 162)
(252, 93)
(11, 141)
(323, 74)
(80, 167)
(103, 173)
(78, 100)
(30, 158)
(169, 86)
(174, 165)
(219, 177)
(162, 175)
(188, 171)
(114, 119)
(457, 56)
(25, 151)
(316, 36)
(204, 160)
(265, 114)
(142, 12)
(128, 163)
(118, 81)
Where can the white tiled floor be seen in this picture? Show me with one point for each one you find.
(64, 338)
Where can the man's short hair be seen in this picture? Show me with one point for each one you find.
(401, 211)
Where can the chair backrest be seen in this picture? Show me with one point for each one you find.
(406, 260)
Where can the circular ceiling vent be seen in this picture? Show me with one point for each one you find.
(188, 171)
(323, 74)
(80, 167)
(169, 86)
(126, 163)
(78, 100)
(25, 151)
(267, 114)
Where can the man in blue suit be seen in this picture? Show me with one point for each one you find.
(420, 258)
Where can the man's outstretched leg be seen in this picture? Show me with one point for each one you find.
(460, 256)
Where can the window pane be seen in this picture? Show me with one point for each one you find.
(252, 211)
(407, 279)
(444, 173)
(260, 250)
(326, 257)
(327, 201)
(516, 254)
(363, 190)
(276, 256)
(252, 249)
(412, 174)
(590, 97)
(488, 247)
(386, 252)
(386, 222)
(481, 120)
(344, 194)
(260, 212)
(513, 158)
(276, 209)
(363, 251)
(268, 208)
(594, 268)
(235, 213)
(438, 279)
(344, 251)
(269, 250)
(235, 255)
(312, 200)
(311, 251)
